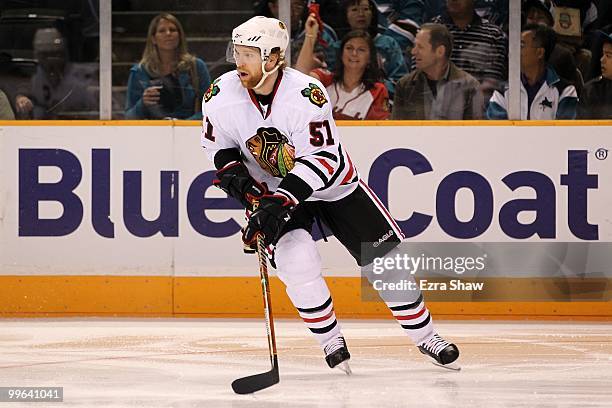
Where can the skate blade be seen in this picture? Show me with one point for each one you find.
(451, 366)
(345, 368)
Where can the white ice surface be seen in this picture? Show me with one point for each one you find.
(191, 363)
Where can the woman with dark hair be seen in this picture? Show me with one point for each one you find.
(363, 15)
(168, 81)
(355, 88)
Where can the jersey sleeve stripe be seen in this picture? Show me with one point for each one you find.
(338, 171)
(356, 178)
(350, 170)
(314, 169)
(327, 166)
(327, 155)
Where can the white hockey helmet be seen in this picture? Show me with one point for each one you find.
(265, 33)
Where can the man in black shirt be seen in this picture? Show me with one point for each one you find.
(596, 101)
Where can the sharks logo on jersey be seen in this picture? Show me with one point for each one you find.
(272, 151)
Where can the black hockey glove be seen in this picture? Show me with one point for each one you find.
(273, 212)
(236, 181)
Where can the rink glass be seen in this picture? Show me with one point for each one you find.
(208, 29)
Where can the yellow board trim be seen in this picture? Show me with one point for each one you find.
(347, 123)
(154, 296)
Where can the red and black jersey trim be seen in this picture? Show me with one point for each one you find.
(338, 170)
(327, 155)
(274, 89)
(407, 306)
(317, 308)
(349, 174)
(314, 169)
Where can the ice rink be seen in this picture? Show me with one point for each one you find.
(191, 363)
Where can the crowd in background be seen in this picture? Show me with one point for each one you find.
(384, 59)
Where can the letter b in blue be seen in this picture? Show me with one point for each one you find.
(32, 191)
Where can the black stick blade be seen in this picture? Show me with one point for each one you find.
(257, 382)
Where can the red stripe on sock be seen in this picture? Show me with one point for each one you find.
(410, 317)
(319, 319)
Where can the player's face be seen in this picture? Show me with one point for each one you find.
(423, 53)
(606, 61)
(359, 15)
(356, 53)
(248, 65)
(166, 35)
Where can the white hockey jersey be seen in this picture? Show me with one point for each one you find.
(295, 134)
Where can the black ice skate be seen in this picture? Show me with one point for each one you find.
(337, 355)
(442, 352)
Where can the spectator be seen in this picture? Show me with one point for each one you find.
(58, 88)
(495, 11)
(402, 19)
(437, 89)
(330, 12)
(597, 43)
(298, 17)
(270, 8)
(326, 37)
(355, 88)
(536, 12)
(561, 59)
(576, 21)
(6, 112)
(363, 15)
(480, 48)
(432, 8)
(586, 10)
(168, 81)
(596, 102)
(543, 94)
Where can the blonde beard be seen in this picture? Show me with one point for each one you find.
(252, 81)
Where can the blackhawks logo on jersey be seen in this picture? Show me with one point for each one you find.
(314, 94)
(213, 90)
(272, 151)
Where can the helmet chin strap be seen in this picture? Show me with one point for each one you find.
(265, 74)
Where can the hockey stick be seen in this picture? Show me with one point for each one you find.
(257, 382)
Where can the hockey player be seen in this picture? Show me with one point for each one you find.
(270, 132)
